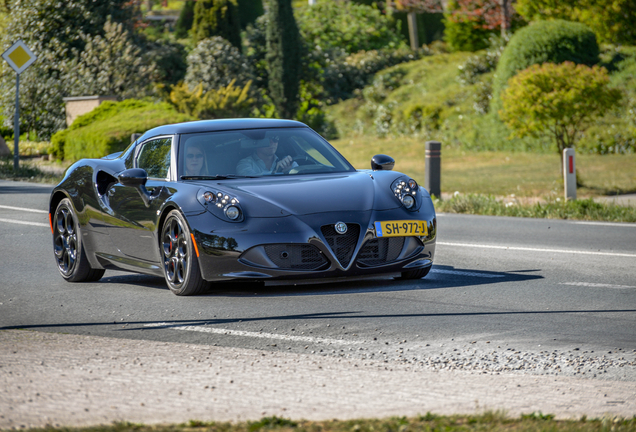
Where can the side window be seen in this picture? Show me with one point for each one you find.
(154, 157)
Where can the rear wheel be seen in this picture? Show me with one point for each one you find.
(415, 274)
(180, 263)
(67, 246)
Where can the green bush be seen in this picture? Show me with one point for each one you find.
(107, 128)
(342, 74)
(348, 26)
(215, 63)
(545, 42)
(225, 102)
(169, 59)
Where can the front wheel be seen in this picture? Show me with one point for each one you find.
(68, 248)
(180, 264)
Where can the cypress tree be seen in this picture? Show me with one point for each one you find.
(249, 10)
(217, 18)
(186, 17)
(284, 52)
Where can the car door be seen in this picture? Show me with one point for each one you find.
(134, 225)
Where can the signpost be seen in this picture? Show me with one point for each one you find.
(19, 57)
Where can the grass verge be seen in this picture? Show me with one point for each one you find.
(485, 422)
(26, 172)
(585, 209)
(499, 173)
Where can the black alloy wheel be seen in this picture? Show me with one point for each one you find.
(67, 246)
(180, 263)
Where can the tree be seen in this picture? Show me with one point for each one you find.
(557, 100)
(612, 20)
(349, 26)
(214, 63)
(112, 64)
(217, 18)
(53, 30)
(249, 11)
(470, 22)
(414, 7)
(284, 57)
(186, 18)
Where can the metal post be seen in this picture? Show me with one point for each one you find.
(569, 174)
(412, 22)
(433, 168)
(16, 125)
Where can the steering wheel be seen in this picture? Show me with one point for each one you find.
(308, 161)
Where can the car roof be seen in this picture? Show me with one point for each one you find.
(219, 125)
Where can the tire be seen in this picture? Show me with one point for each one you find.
(415, 274)
(68, 249)
(180, 264)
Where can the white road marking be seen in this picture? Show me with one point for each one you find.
(202, 329)
(23, 209)
(25, 223)
(597, 285)
(612, 224)
(464, 273)
(516, 248)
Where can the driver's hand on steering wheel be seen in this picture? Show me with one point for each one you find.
(284, 163)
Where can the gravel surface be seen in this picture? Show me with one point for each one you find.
(58, 379)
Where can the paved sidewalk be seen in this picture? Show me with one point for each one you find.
(624, 200)
(56, 379)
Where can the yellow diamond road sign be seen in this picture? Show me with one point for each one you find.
(19, 56)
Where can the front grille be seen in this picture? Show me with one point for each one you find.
(296, 256)
(379, 251)
(342, 245)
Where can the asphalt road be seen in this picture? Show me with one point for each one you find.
(501, 285)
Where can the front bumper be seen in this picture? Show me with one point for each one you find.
(307, 247)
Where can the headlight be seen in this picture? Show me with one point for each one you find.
(232, 212)
(406, 190)
(209, 197)
(408, 201)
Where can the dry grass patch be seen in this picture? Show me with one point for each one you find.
(499, 173)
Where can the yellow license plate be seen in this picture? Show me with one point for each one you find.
(401, 228)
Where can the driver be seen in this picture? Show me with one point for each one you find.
(264, 160)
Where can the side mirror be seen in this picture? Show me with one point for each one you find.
(133, 177)
(382, 162)
(137, 178)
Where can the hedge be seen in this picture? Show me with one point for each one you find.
(107, 129)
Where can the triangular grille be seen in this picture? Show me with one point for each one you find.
(342, 245)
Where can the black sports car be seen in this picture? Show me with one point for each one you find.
(239, 199)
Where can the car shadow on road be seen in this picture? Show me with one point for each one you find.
(441, 276)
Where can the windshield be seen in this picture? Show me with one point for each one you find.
(256, 153)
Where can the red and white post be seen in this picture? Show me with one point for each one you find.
(569, 174)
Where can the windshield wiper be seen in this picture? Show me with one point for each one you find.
(215, 177)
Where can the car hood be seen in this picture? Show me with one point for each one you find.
(300, 195)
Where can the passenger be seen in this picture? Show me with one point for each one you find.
(196, 163)
(264, 160)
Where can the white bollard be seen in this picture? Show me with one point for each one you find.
(569, 174)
